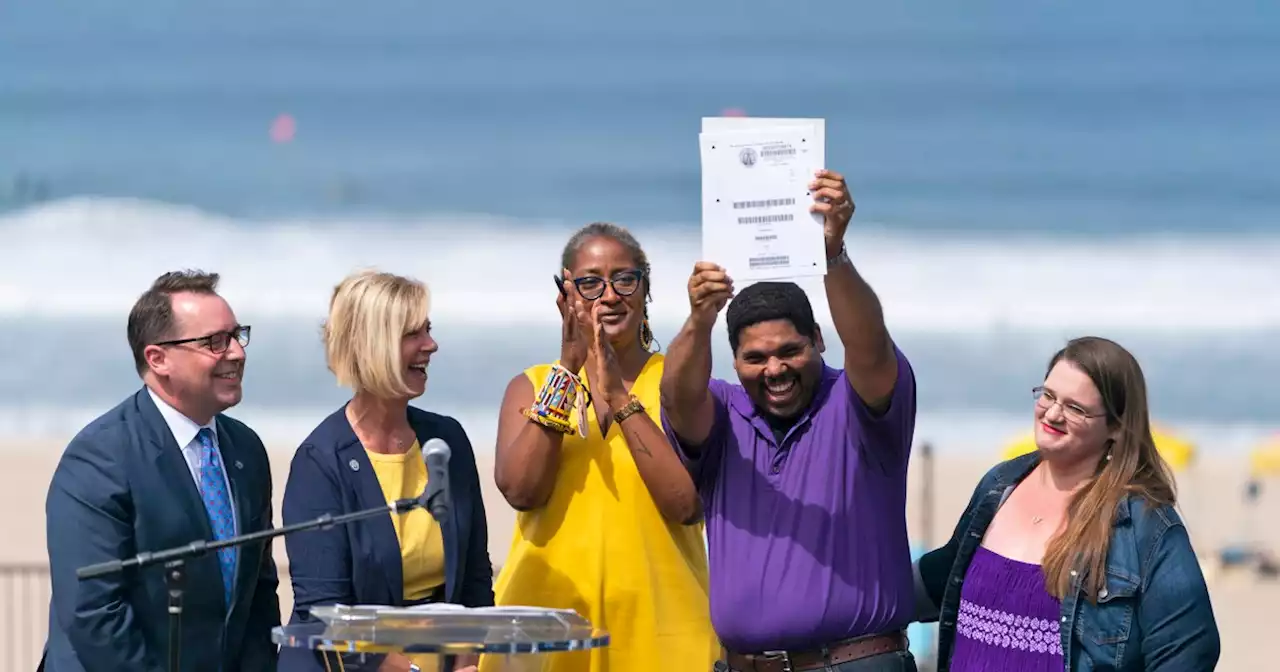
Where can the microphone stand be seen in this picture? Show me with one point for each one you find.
(174, 559)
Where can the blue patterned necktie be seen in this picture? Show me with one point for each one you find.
(217, 502)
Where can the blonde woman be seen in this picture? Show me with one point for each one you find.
(1072, 557)
(378, 343)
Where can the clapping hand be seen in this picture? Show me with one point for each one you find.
(574, 331)
(603, 367)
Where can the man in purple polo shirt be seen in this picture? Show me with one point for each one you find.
(802, 468)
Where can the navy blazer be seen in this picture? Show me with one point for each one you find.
(123, 487)
(360, 563)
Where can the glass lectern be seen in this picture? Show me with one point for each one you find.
(519, 637)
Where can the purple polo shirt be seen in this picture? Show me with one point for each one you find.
(807, 542)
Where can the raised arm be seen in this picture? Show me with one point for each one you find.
(527, 454)
(686, 396)
(869, 359)
(88, 519)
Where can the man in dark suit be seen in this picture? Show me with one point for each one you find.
(163, 469)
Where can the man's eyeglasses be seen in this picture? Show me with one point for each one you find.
(1046, 399)
(216, 343)
(624, 283)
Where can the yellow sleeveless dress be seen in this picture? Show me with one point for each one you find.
(601, 548)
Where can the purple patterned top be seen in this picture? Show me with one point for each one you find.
(1007, 621)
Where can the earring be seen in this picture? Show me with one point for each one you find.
(646, 335)
(1108, 457)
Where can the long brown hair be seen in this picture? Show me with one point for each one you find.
(1131, 466)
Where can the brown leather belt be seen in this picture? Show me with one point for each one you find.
(815, 659)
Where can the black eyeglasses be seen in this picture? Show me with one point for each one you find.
(216, 343)
(624, 283)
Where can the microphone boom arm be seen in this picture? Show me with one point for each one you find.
(198, 548)
(434, 499)
(174, 559)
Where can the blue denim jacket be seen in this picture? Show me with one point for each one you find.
(1153, 614)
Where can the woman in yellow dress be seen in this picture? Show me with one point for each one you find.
(578, 442)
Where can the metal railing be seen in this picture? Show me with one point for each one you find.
(24, 612)
(24, 615)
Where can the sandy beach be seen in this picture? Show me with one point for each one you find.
(1212, 503)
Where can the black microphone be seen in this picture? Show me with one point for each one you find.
(436, 497)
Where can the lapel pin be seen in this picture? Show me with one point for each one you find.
(239, 464)
(355, 466)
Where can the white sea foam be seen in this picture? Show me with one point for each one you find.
(91, 257)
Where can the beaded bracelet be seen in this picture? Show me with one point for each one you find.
(561, 392)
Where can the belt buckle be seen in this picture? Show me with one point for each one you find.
(786, 659)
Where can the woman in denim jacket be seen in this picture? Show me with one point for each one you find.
(1072, 557)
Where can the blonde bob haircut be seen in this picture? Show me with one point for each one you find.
(369, 315)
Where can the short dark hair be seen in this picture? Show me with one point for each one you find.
(605, 230)
(766, 301)
(151, 319)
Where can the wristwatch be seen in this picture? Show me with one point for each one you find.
(634, 406)
(842, 257)
(413, 667)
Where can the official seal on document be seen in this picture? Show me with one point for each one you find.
(747, 156)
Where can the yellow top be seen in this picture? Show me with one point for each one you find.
(601, 548)
(421, 545)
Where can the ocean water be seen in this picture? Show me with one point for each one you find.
(1025, 173)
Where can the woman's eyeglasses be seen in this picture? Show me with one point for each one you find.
(1046, 400)
(591, 287)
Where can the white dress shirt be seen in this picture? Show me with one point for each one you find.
(184, 431)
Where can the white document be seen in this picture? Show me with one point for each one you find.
(755, 202)
(818, 127)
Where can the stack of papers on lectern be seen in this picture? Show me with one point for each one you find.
(337, 612)
(755, 197)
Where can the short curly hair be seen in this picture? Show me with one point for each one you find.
(767, 301)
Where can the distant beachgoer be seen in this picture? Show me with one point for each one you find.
(609, 522)
(1073, 557)
(802, 467)
(25, 189)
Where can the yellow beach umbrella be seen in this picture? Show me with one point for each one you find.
(1265, 459)
(1178, 452)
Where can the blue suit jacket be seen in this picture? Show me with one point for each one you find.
(360, 563)
(123, 487)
